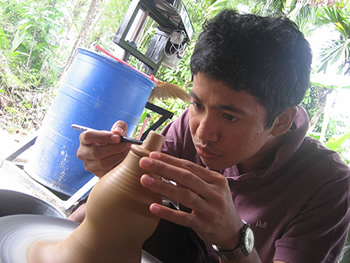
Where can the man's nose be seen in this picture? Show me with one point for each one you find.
(208, 130)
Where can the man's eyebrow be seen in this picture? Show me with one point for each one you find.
(193, 95)
(228, 107)
(231, 108)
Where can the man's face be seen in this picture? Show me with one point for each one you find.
(227, 126)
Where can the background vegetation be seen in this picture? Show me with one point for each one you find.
(39, 38)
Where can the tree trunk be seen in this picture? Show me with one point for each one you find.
(85, 30)
(69, 23)
(321, 104)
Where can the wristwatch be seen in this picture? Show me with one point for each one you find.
(246, 245)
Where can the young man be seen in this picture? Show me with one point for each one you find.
(240, 153)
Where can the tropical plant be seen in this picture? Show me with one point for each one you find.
(27, 57)
(338, 50)
(335, 53)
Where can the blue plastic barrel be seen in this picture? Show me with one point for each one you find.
(95, 92)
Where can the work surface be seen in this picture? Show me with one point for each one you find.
(8, 178)
(13, 177)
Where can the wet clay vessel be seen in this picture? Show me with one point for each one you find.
(117, 221)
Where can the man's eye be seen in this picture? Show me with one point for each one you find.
(196, 105)
(229, 117)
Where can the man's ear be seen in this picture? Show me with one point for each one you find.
(284, 121)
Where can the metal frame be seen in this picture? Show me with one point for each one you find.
(169, 14)
(165, 115)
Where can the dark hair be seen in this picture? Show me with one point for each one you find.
(265, 56)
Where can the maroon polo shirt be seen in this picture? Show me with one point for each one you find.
(298, 207)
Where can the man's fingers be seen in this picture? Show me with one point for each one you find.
(181, 164)
(175, 216)
(181, 194)
(105, 164)
(99, 137)
(120, 127)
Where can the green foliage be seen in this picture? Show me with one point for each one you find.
(31, 34)
(108, 21)
(312, 99)
(337, 50)
(36, 39)
(336, 134)
(335, 143)
(28, 39)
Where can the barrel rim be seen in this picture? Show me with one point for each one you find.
(115, 63)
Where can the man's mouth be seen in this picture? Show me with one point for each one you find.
(206, 153)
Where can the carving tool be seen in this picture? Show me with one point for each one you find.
(122, 138)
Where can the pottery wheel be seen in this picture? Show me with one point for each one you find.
(18, 232)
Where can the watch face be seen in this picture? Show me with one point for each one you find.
(249, 240)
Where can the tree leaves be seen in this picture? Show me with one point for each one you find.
(18, 39)
(335, 143)
(337, 51)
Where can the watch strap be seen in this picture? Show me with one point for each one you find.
(231, 255)
(237, 253)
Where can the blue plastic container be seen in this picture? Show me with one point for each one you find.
(95, 92)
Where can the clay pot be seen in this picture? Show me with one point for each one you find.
(118, 220)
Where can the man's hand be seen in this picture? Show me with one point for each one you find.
(78, 215)
(102, 150)
(214, 217)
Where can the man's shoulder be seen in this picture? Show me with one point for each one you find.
(314, 155)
